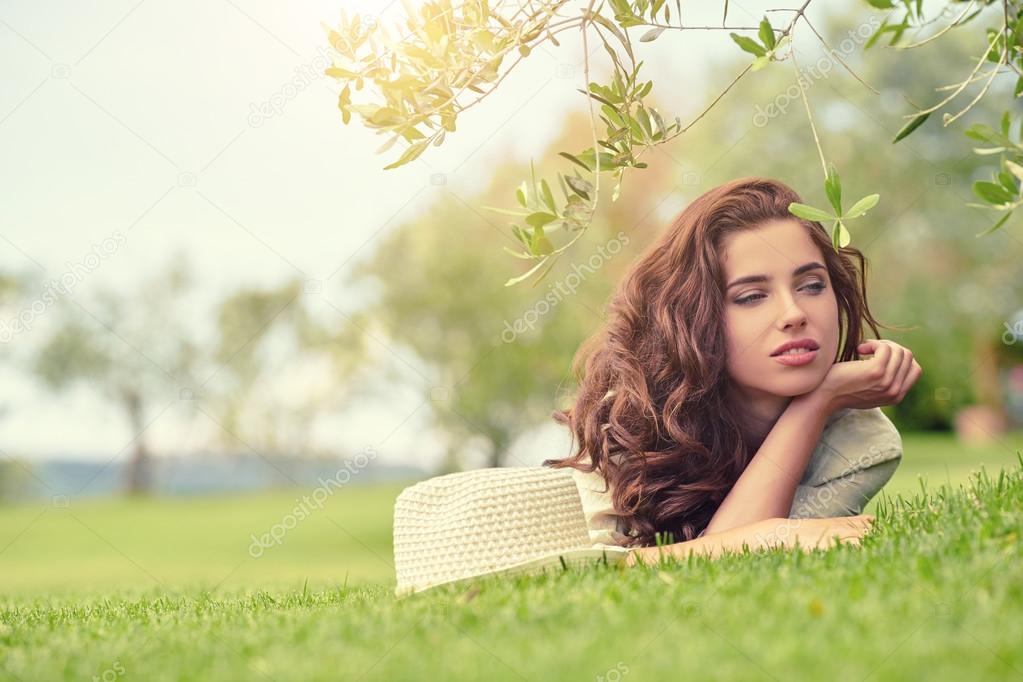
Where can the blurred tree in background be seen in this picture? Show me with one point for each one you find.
(277, 367)
(138, 375)
(491, 358)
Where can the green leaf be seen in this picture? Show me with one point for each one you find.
(809, 212)
(607, 161)
(910, 127)
(760, 62)
(545, 271)
(862, 206)
(992, 193)
(985, 133)
(541, 245)
(833, 188)
(644, 120)
(748, 45)
(540, 218)
(635, 127)
(564, 186)
(505, 211)
(548, 198)
(651, 34)
(579, 186)
(525, 275)
(574, 159)
(521, 235)
(410, 154)
(596, 95)
(1008, 182)
(767, 33)
(839, 235)
(1014, 168)
(659, 122)
(521, 194)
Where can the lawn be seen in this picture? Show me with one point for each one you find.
(167, 589)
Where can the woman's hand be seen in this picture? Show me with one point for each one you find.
(806, 534)
(883, 379)
(810, 533)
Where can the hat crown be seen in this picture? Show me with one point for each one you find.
(471, 523)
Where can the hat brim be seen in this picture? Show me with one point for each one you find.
(583, 556)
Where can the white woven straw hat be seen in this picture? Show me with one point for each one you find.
(498, 520)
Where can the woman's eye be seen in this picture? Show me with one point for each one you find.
(816, 287)
(745, 300)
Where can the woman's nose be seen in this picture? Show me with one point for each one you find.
(792, 315)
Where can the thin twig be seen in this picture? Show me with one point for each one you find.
(983, 91)
(809, 115)
(978, 77)
(589, 100)
(962, 86)
(838, 58)
(702, 28)
(939, 33)
(799, 13)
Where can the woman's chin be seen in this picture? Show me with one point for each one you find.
(796, 386)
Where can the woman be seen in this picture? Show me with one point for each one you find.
(726, 394)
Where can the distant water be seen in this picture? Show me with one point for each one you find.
(194, 475)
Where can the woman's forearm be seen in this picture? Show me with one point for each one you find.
(811, 533)
(709, 544)
(767, 486)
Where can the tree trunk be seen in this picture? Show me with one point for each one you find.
(498, 450)
(138, 470)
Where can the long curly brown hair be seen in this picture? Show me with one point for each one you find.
(651, 412)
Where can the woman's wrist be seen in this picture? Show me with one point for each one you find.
(818, 400)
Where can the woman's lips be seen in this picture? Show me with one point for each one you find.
(796, 359)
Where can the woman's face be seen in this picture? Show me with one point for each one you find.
(792, 301)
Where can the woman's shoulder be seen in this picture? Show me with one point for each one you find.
(863, 437)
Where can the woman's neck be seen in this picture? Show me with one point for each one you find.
(758, 415)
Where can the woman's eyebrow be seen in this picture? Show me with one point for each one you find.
(751, 279)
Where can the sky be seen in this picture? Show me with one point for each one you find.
(133, 130)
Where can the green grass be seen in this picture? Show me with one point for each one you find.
(165, 589)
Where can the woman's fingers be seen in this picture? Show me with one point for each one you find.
(900, 369)
(914, 373)
(900, 386)
(889, 357)
(868, 347)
